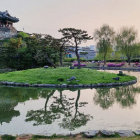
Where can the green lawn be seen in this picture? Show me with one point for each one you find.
(51, 76)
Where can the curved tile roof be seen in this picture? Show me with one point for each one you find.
(6, 16)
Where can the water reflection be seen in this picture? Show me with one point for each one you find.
(75, 118)
(65, 109)
(104, 97)
(125, 96)
(9, 99)
(60, 107)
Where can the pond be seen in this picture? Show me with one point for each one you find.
(57, 111)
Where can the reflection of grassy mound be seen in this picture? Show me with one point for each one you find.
(51, 76)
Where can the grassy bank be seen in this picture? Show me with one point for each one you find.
(79, 137)
(60, 76)
(131, 138)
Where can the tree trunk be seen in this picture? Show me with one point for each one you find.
(61, 56)
(129, 61)
(104, 61)
(78, 57)
(49, 60)
(76, 52)
(48, 97)
(76, 104)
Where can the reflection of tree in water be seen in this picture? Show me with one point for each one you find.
(60, 107)
(106, 97)
(126, 96)
(9, 98)
(7, 111)
(43, 116)
(77, 119)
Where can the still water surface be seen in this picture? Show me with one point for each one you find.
(57, 111)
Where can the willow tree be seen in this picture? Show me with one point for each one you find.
(75, 38)
(104, 36)
(126, 42)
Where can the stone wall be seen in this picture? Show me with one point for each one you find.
(6, 32)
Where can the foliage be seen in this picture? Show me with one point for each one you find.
(24, 51)
(104, 37)
(23, 35)
(8, 137)
(73, 59)
(75, 37)
(126, 42)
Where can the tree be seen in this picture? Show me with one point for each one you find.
(126, 42)
(104, 37)
(62, 44)
(46, 50)
(75, 37)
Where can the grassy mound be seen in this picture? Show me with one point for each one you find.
(60, 76)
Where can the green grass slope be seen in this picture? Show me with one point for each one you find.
(51, 76)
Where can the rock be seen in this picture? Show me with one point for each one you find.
(91, 134)
(109, 84)
(137, 132)
(26, 84)
(120, 73)
(70, 86)
(46, 67)
(125, 133)
(19, 84)
(35, 85)
(72, 78)
(107, 133)
(80, 85)
(116, 78)
(24, 136)
(71, 67)
(4, 83)
(64, 85)
(10, 83)
(76, 86)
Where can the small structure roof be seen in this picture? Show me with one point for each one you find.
(7, 17)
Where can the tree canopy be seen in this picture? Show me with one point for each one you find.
(126, 42)
(104, 38)
(75, 37)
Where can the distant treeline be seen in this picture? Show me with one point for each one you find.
(35, 50)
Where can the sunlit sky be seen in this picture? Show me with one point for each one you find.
(47, 16)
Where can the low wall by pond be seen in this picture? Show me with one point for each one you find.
(87, 134)
(69, 86)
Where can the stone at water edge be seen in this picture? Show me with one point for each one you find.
(107, 133)
(91, 133)
(125, 133)
(137, 132)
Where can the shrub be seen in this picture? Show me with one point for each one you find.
(115, 65)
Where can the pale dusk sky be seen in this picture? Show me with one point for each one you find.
(47, 16)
